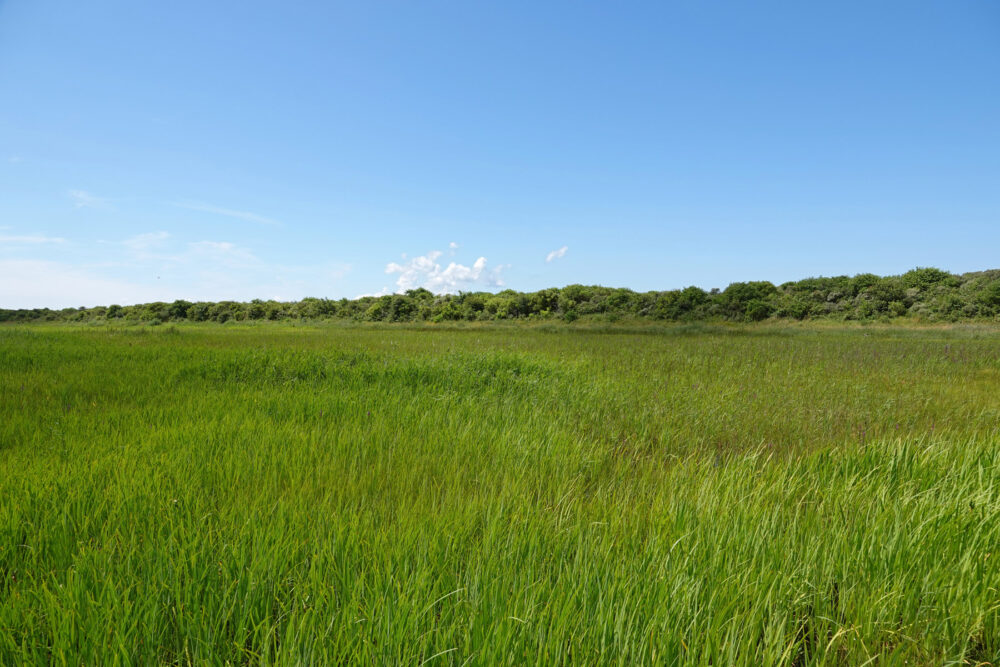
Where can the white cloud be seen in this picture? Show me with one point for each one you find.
(228, 212)
(83, 199)
(31, 283)
(425, 271)
(222, 251)
(155, 266)
(155, 246)
(31, 239)
(556, 254)
(144, 242)
(494, 278)
(385, 291)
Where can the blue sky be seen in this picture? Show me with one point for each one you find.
(215, 150)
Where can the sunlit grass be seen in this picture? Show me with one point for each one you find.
(499, 495)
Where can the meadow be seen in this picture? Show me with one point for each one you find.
(499, 494)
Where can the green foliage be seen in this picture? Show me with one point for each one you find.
(926, 278)
(863, 281)
(679, 305)
(749, 301)
(924, 294)
(990, 295)
(178, 310)
(757, 310)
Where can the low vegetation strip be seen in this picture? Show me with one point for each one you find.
(276, 494)
(923, 294)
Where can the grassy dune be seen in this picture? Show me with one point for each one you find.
(499, 495)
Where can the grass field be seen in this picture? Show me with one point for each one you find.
(499, 495)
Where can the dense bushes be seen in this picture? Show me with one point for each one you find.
(923, 293)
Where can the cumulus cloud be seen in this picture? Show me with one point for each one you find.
(556, 254)
(227, 212)
(425, 271)
(83, 199)
(385, 291)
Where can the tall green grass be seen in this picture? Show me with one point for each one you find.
(499, 495)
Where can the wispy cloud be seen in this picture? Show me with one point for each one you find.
(160, 246)
(494, 278)
(32, 239)
(222, 251)
(156, 266)
(556, 254)
(15, 159)
(84, 199)
(32, 283)
(425, 271)
(227, 212)
(142, 243)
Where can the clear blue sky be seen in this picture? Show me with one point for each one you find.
(213, 150)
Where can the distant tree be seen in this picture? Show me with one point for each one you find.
(446, 311)
(544, 301)
(990, 295)
(154, 311)
(862, 281)
(737, 298)
(883, 292)
(757, 310)
(420, 294)
(224, 311)
(199, 312)
(379, 309)
(925, 293)
(500, 307)
(925, 278)
(178, 310)
(796, 306)
(897, 308)
(402, 308)
(256, 310)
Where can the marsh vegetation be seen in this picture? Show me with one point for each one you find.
(338, 494)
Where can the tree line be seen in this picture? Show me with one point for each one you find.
(926, 294)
